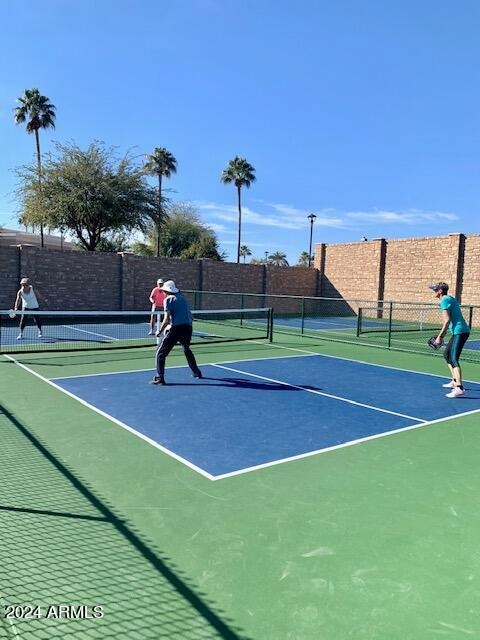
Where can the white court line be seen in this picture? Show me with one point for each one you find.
(350, 443)
(321, 393)
(112, 419)
(422, 423)
(93, 333)
(300, 354)
(178, 366)
(370, 364)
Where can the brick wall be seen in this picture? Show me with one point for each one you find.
(400, 269)
(351, 271)
(140, 276)
(413, 264)
(228, 276)
(74, 280)
(9, 276)
(296, 281)
(471, 270)
(374, 270)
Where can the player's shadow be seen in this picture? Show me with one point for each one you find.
(243, 383)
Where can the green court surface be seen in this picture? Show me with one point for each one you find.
(377, 541)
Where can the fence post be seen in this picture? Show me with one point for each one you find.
(390, 325)
(359, 321)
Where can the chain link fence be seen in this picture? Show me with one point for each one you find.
(405, 326)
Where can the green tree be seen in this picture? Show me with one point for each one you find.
(303, 259)
(184, 235)
(244, 252)
(242, 174)
(90, 194)
(39, 113)
(161, 163)
(205, 247)
(114, 242)
(279, 259)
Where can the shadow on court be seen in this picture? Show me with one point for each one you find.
(62, 544)
(242, 383)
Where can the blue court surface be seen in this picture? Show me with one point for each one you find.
(252, 413)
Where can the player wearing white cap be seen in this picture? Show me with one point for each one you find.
(176, 328)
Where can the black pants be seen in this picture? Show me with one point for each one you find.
(23, 321)
(181, 333)
(454, 348)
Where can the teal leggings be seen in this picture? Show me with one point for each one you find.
(454, 348)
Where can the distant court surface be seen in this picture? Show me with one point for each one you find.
(304, 489)
(301, 405)
(85, 330)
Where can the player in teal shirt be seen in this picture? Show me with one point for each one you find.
(454, 321)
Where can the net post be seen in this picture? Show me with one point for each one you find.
(270, 324)
(390, 312)
(359, 322)
(470, 317)
(241, 307)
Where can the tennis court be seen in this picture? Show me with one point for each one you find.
(302, 489)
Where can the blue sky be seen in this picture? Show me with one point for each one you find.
(364, 113)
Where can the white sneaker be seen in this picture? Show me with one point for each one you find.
(20, 336)
(456, 393)
(40, 334)
(449, 385)
(150, 333)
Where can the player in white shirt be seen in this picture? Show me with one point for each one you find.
(27, 301)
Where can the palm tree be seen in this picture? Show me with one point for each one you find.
(161, 164)
(303, 259)
(279, 259)
(242, 174)
(39, 113)
(244, 252)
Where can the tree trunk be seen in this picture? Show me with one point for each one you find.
(39, 167)
(239, 222)
(159, 213)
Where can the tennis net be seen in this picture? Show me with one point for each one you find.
(81, 330)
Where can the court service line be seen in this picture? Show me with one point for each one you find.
(343, 445)
(92, 333)
(187, 463)
(321, 393)
(178, 366)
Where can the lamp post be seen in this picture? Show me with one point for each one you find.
(312, 217)
(266, 256)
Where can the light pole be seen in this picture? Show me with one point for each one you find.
(312, 217)
(266, 256)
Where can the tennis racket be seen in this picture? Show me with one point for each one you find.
(433, 345)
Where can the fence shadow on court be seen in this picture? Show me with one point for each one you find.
(62, 544)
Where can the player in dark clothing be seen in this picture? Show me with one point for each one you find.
(176, 327)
